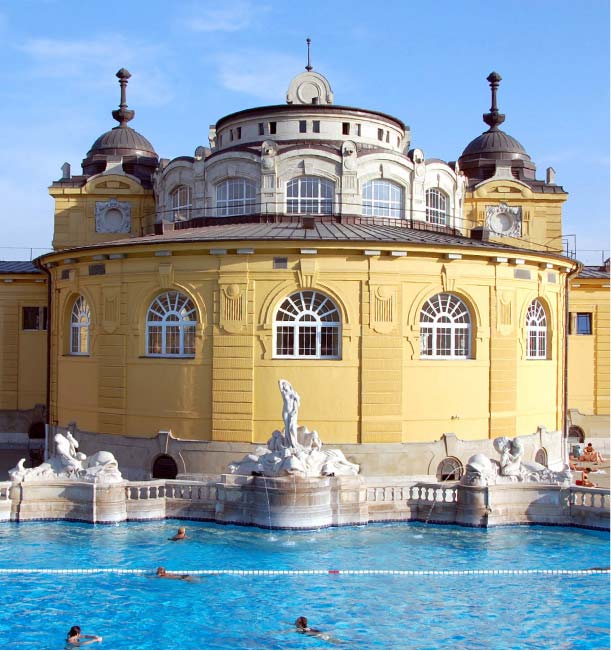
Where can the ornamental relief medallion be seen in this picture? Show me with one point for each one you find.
(504, 220)
(113, 216)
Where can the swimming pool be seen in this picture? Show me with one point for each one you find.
(452, 610)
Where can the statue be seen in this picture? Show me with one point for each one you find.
(296, 451)
(68, 463)
(482, 471)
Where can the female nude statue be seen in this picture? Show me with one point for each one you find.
(290, 407)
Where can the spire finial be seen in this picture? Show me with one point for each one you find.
(308, 41)
(123, 115)
(494, 118)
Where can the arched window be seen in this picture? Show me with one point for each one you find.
(541, 456)
(236, 197)
(436, 207)
(310, 195)
(181, 203)
(382, 199)
(445, 328)
(307, 324)
(536, 331)
(80, 320)
(170, 326)
(450, 469)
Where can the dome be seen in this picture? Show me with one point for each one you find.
(483, 157)
(122, 141)
(497, 144)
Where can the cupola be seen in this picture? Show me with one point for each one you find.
(495, 153)
(122, 149)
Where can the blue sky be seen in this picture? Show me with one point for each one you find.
(193, 62)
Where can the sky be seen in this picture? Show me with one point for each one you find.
(194, 62)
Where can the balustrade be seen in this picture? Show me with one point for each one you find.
(430, 493)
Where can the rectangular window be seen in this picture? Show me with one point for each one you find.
(581, 323)
(220, 141)
(316, 126)
(303, 126)
(272, 127)
(380, 134)
(281, 263)
(285, 340)
(346, 128)
(387, 136)
(231, 134)
(239, 132)
(358, 129)
(261, 129)
(34, 318)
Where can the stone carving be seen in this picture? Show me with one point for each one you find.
(68, 463)
(504, 219)
(482, 471)
(309, 88)
(112, 216)
(296, 451)
(269, 152)
(349, 155)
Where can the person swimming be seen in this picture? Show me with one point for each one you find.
(162, 574)
(180, 535)
(76, 639)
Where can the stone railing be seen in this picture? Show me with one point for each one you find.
(589, 506)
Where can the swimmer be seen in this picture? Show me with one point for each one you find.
(181, 535)
(301, 624)
(162, 574)
(75, 638)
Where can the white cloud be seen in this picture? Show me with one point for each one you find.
(230, 17)
(90, 62)
(265, 75)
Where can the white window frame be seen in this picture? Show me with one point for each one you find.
(80, 323)
(382, 198)
(236, 196)
(310, 195)
(437, 207)
(182, 202)
(536, 331)
(307, 317)
(445, 328)
(171, 320)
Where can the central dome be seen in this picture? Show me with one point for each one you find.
(495, 143)
(122, 141)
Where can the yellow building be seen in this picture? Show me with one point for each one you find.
(402, 296)
(588, 344)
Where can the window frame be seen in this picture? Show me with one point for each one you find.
(536, 331)
(80, 327)
(181, 198)
(444, 311)
(303, 203)
(41, 317)
(437, 211)
(300, 321)
(378, 207)
(240, 204)
(177, 302)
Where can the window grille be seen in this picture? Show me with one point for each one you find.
(34, 318)
(170, 326)
(450, 469)
(80, 322)
(310, 195)
(181, 203)
(236, 197)
(382, 199)
(536, 331)
(307, 325)
(445, 328)
(436, 207)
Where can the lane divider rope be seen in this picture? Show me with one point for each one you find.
(239, 572)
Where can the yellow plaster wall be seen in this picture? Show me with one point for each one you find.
(23, 360)
(541, 212)
(75, 207)
(589, 371)
(379, 391)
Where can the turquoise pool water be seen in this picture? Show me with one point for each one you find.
(457, 611)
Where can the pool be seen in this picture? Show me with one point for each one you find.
(467, 606)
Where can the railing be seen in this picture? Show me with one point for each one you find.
(170, 489)
(589, 498)
(417, 492)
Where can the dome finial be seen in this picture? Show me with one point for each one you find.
(308, 41)
(494, 118)
(123, 115)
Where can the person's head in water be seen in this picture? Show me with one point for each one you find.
(301, 623)
(161, 571)
(75, 630)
